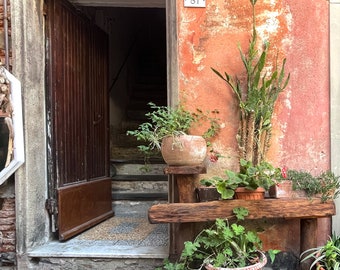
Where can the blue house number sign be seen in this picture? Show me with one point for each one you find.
(194, 3)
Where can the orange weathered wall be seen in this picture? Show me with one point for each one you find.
(298, 31)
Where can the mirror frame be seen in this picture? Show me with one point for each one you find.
(18, 142)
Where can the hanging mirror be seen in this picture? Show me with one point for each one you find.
(11, 125)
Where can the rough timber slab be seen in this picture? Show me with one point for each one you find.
(268, 208)
(178, 170)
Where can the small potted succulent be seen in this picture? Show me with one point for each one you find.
(283, 188)
(326, 185)
(167, 130)
(224, 245)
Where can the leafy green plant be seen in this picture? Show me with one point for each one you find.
(224, 244)
(251, 177)
(324, 257)
(256, 98)
(327, 184)
(171, 121)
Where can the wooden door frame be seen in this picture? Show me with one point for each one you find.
(33, 226)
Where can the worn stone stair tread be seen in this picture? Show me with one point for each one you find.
(140, 177)
(137, 196)
(153, 160)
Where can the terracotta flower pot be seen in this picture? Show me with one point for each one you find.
(256, 266)
(283, 189)
(242, 193)
(184, 150)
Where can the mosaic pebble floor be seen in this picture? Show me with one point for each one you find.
(129, 226)
(126, 235)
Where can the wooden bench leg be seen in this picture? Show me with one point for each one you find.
(308, 238)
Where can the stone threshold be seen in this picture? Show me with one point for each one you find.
(97, 249)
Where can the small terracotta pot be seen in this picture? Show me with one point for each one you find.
(184, 150)
(242, 193)
(284, 189)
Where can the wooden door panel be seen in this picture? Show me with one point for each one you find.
(88, 203)
(78, 115)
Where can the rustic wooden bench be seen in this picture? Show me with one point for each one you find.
(185, 213)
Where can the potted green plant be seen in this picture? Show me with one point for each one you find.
(224, 245)
(324, 257)
(167, 130)
(250, 178)
(326, 185)
(256, 97)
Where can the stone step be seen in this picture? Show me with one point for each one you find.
(139, 186)
(131, 182)
(139, 196)
(137, 167)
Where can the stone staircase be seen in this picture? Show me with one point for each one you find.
(131, 182)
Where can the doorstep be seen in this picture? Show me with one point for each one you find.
(97, 249)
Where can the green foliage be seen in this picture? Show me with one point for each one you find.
(171, 121)
(223, 244)
(256, 97)
(251, 177)
(326, 184)
(326, 256)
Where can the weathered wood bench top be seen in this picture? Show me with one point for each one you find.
(303, 208)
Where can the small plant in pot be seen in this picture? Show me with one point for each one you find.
(326, 185)
(167, 130)
(250, 178)
(224, 245)
(326, 257)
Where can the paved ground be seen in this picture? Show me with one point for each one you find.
(127, 235)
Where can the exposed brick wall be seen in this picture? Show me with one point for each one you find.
(7, 231)
(2, 32)
(7, 198)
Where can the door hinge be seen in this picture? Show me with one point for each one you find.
(52, 209)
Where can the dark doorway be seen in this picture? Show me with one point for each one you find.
(136, 76)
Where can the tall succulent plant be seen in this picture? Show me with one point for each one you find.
(256, 97)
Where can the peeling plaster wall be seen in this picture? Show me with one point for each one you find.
(298, 31)
(208, 37)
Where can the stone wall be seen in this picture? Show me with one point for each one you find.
(7, 231)
(7, 197)
(2, 31)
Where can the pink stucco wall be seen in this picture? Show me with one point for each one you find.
(298, 31)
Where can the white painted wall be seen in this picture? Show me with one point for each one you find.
(335, 97)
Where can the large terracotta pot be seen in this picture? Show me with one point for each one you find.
(242, 193)
(184, 150)
(256, 266)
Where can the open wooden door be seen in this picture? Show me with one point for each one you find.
(79, 184)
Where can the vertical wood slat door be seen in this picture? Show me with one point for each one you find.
(78, 109)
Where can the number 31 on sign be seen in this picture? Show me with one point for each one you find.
(194, 3)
